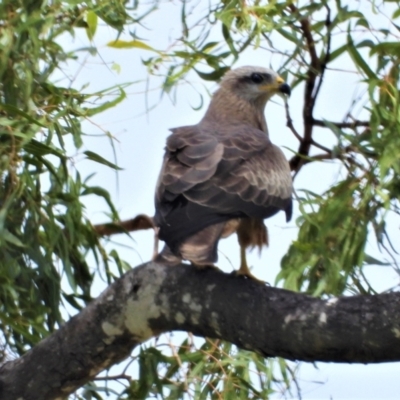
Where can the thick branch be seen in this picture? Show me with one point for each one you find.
(152, 299)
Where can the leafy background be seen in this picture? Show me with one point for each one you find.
(88, 91)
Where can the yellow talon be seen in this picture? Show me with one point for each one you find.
(244, 268)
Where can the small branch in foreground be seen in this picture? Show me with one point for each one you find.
(140, 222)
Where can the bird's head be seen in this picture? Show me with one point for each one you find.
(254, 84)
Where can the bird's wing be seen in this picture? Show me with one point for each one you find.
(191, 158)
(210, 177)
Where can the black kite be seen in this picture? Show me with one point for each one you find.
(223, 175)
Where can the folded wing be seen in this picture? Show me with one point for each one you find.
(211, 176)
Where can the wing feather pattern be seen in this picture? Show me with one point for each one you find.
(210, 177)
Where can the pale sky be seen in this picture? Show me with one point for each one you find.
(140, 140)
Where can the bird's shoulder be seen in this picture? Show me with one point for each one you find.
(183, 136)
(234, 138)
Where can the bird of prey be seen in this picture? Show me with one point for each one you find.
(223, 175)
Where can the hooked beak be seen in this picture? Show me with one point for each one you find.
(283, 87)
(278, 86)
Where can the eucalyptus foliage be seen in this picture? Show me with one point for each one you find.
(44, 232)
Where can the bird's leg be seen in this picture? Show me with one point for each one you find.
(155, 246)
(167, 257)
(244, 268)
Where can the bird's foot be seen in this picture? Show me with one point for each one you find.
(244, 268)
(155, 245)
(166, 257)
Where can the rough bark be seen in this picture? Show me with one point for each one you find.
(152, 299)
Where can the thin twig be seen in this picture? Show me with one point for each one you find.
(321, 157)
(112, 377)
(306, 28)
(352, 124)
(328, 155)
(289, 123)
(321, 147)
(327, 55)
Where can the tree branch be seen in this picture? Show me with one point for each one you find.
(309, 100)
(313, 85)
(152, 299)
(325, 61)
(138, 223)
(306, 28)
(289, 122)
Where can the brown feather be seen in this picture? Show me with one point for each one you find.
(252, 233)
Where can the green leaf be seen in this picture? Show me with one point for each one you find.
(363, 22)
(105, 106)
(359, 60)
(17, 111)
(338, 52)
(9, 237)
(289, 36)
(91, 19)
(99, 159)
(228, 40)
(40, 149)
(116, 67)
(99, 191)
(209, 46)
(131, 44)
(396, 14)
(369, 260)
(213, 76)
(386, 48)
(366, 43)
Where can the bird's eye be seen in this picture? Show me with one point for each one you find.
(256, 78)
